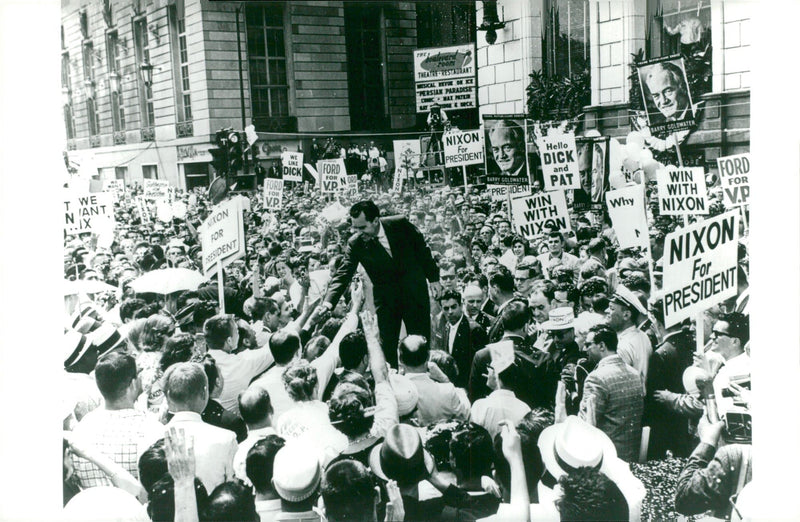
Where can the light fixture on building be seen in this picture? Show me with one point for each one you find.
(491, 22)
(147, 73)
(114, 82)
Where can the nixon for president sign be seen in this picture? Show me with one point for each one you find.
(222, 236)
(463, 148)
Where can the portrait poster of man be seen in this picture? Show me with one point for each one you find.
(666, 95)
(506, 154)
(593, 168)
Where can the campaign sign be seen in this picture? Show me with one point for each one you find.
(700, 266)
(500, 192)
(734, 177)
(352, 185)
(331, 173)
(156, 189)
(397, 182)
(116, 186)
(292, 166)
(273, 194)
(445, 75)
(626, 210)
(222, 236)
(530, 214)
(682, 191)
(144, 210)
(559, 161)
(407, 156)
(463, 148)
(88, 212)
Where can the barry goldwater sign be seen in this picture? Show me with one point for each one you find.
(700, 266)
(331, 172)
(463, 148)
(273, 194)
(559, 161)
(531, 214)
(156, 189)
(626, 210)
(292, 166)
(682, 191)
(222, 236)
(734, 178)
(500, 192)
(88, 212)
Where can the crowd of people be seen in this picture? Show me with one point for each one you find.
(410, 358)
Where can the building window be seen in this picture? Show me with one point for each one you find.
(142, 44)
(364, 44)
(565, 41)
(66, 91)
(92, 113)
(150, 171)
(94, 118)
(266, 54)
(121, 173)
(180, 57)
(441, 24)
(674, 24)
(117, 105)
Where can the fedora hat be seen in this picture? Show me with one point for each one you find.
(401, 456)
(574, 444)
(560, 319)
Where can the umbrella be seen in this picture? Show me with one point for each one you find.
(167, 281)
(86, 286)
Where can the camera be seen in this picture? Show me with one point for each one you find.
(738, 427)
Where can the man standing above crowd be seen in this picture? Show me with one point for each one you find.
(399, 264)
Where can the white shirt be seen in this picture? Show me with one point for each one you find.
(499, 405)
(214, 448)
(237, 371)
(383, 240)
(452, 334)
(634, 347)
(240, 458)
(734, 368)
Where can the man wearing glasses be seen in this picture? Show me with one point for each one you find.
(728, 338)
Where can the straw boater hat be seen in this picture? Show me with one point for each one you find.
(297, 472)
(573, 444)
(560, 319)
(106, 339)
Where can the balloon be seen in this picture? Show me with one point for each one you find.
(592, 133)
(633, 150)
(637, 176)
(635, 137)
(617, 180)
(646, 155)
(630, 165)
(650, 168)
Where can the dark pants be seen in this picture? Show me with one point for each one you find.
(391, 309)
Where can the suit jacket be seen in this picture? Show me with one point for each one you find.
(438, 401)
(484, 319)
(470, 338)
(613, 401)
(399, 278)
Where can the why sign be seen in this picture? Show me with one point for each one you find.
(463, 148)
(682, 191)
(559, 161)
(292, 166)
(273, 194)
(222, 236)
(531, 214)
(626, 210)
(88, 212)
(700, 266)
(734, 177)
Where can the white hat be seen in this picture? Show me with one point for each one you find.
(502, 353)
(560, 319)
(405, 392)
(296, 471)
(573, 444)
(624, 296)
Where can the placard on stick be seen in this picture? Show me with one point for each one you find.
(700, 263)
(559, 161)
(292, 166)
(682, 191)
(222, 236)
(331, 173)
(156, 189)
(88, 212)
(734, 177)
(530, 214)
(463, 148)
(626, 209)
(500, 192)
(273, 194)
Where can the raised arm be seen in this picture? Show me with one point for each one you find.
(181, 465)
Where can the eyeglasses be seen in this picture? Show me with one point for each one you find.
(717, 333)
(447, 276)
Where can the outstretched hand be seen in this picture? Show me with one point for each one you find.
(179, 450)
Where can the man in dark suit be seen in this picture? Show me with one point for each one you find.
(399, 264)
(457, 334)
